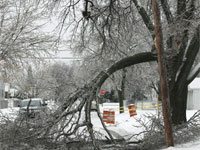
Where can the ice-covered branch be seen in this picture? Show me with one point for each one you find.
(190, 55)
(166, 10)
(145, 18)
(193, 73)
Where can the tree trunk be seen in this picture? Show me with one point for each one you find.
(121, 92)
(120, 97)
(178, 101)
(178, 90)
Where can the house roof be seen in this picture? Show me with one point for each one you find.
(195, 84)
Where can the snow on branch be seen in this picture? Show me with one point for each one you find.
(191, 53)
(183, 59)
(193, 73)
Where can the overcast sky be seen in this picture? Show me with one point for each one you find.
(64, 52)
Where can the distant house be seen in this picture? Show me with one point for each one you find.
(3, 102)
(193, 100)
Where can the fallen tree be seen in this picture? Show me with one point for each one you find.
(67, 118)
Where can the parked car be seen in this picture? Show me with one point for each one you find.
(32, 107)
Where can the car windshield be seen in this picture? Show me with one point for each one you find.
(33, 103)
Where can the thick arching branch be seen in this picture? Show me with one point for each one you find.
(126, 62)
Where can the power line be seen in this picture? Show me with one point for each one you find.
(75, 58)
(71, 58)
(64, 50)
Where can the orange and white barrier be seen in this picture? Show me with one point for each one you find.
(132, 110)
(109, 116)
(105, 115)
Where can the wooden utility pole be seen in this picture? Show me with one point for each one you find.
(162, 71)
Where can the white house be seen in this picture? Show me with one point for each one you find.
(193, 100)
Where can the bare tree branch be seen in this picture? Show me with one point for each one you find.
(166, 9)
(181, 7)
(145, 18)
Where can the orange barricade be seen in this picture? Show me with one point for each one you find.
(105, 115)
(109, 116)
(132, 110)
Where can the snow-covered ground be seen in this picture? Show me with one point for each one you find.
(10, 113)
(193, 145)
(124, 126)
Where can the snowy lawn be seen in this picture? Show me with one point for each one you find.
(125, 126)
